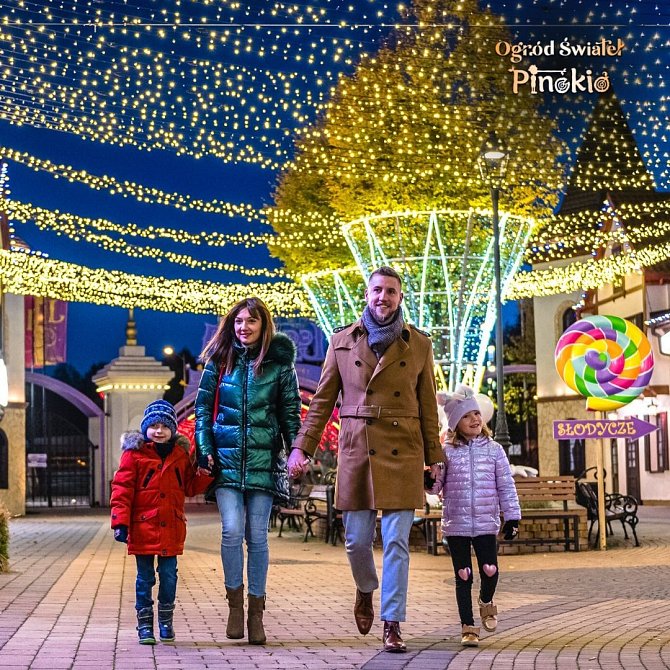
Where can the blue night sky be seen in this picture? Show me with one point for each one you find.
(95, 333)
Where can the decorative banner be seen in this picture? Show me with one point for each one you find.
(606, 359)
(630, 428)
(46, 331)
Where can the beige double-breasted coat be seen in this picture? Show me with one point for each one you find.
(388, 414)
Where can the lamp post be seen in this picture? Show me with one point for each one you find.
(492, 162)
(169, 351)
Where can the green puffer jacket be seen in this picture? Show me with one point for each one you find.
(256, 421)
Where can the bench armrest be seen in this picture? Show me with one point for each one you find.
(621, 503)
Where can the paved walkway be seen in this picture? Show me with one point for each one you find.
(68, 603)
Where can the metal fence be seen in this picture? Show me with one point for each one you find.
(60, 464)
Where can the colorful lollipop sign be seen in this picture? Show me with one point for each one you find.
(606, 359)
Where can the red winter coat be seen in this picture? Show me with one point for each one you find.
(148, 495)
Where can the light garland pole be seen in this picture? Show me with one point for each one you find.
(492, 165)
(170, 351)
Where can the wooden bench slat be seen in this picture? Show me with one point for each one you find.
(553, 489)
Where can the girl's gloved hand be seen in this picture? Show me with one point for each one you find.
(511, 529)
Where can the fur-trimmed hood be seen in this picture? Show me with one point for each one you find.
(133, 439)
(282, 350)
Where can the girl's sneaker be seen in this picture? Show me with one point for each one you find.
(470, 636)
(488, 613)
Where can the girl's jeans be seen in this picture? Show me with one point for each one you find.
(486, 550)
(245, 516)
(146, 580)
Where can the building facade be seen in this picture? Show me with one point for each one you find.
(614, 222)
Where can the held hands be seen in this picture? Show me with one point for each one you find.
(431, 478)
(511, 529)
(121, 534)
(205, 465)
(297, 462)
(436, 470)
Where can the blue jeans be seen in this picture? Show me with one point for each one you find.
(245, 516)
(359, 535)
(146, 580)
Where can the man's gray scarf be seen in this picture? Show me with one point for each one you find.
(382, 336)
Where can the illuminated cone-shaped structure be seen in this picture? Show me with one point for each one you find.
(445, 258)
(336, 296)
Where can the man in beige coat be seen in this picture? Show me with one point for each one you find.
(383, 370)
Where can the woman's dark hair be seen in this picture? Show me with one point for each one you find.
(220, 347)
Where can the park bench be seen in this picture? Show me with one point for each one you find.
(321, 505)
(428, 521)
(293, 512)
(554, 493)
(618, 507)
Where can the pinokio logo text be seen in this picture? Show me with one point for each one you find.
(565, 80)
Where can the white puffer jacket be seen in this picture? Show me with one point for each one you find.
(476, 486)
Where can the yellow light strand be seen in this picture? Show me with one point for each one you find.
(26, 274)
(145, 194)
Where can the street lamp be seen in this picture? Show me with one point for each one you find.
(169, 351)
(492, 162)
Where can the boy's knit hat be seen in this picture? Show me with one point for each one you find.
(159, 411)
(458, 404)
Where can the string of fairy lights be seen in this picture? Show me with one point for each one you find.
(89, 70)
(29, 274)
(586, 275)
(80, 228)
(243, 81)
(127, 189)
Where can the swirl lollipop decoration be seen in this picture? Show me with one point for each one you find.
(606, 359)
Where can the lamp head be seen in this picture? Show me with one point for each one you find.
(492, 161)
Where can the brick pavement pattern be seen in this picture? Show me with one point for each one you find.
(68, 602)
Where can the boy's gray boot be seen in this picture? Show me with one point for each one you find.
(145, 625)
(235, 625)
(165, 629)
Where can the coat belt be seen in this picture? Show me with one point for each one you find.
(376, 411)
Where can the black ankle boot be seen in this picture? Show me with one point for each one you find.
(165, 629)
(145, 625)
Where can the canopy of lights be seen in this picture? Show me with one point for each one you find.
(353, 110)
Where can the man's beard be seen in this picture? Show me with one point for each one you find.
(387, 320)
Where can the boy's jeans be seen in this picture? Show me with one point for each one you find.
(146, 580)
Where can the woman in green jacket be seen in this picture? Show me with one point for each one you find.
(247, 415)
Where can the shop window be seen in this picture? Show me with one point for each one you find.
(656, 444)
(571, 457)
(569, 317)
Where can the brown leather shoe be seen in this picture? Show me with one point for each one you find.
(364, 612)
(392, 640)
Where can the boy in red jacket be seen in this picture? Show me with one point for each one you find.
(156, 472)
